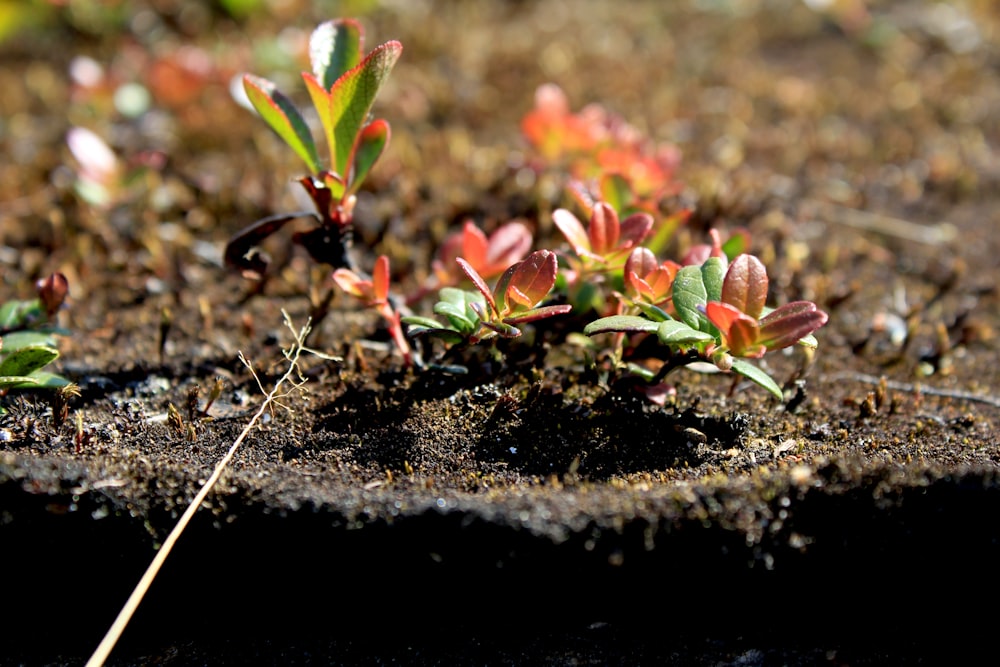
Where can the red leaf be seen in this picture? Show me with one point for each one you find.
(380, 279)
(474, 246)
(635, 229)
(533, 278)
(745, 286)
(604, 229)
(478, 281)
(788, 324)
(739, 330)
(573, 230)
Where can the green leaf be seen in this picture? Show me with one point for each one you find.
(751, 372)
(673, 332)
(16, 314)
(16, 382)
(374, 138)
(46, 380)
(351, 99)
(690, 293)
(654, 313)
(334, 48)
(626, 323)
(279, 112)
(713, 272)
(27, 359)
(616, 191)
(18, 339)
(418, 321)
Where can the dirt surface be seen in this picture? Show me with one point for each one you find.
(533, 511)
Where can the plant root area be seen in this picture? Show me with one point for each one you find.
(538, 509)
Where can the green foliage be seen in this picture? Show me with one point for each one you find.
(27, 339)
(342, 86)
(717, 309)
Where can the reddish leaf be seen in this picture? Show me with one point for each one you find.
(604, 229)
(380, 279)
(745, 286)
(573, 230)
(353, 284)
(635, 228)
(474, 246)
(480, 284)
(283, 117)
(739, 330)
(533, 278)
(372, 142)
(508, 244)
(788, 324)
(538, 313)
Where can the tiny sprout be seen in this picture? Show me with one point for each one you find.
(374, 293)
(342, 86)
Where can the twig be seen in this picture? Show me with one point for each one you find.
(271, 398)
(920, 389)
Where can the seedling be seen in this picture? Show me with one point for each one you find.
(27, 343)
(342, 86)
(720, 318)
(374, 293)
(599, 250)
(515, 300)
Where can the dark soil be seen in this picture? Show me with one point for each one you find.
(531, 511)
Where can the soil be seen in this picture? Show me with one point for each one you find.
(534, 510)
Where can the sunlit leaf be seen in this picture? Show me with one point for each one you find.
(27, 359)
(374, 138)
(751, 372)
(713, 272)
(279, 112)
(689, 296)
(480, 284)
(623, 323)
(351, 99)
(573, 230)
(334, 48)
(739, 330)
(604, 229)
(533, 279)
(672, 332)
(745, 286)
(786, 325)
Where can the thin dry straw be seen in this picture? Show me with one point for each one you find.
(271, 398)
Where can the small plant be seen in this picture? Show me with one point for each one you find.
(27, 343)
(515, 300)
(343, 85)
(598, 253)
(720, 316)
(374, 293)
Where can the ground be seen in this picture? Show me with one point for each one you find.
(533, 511)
